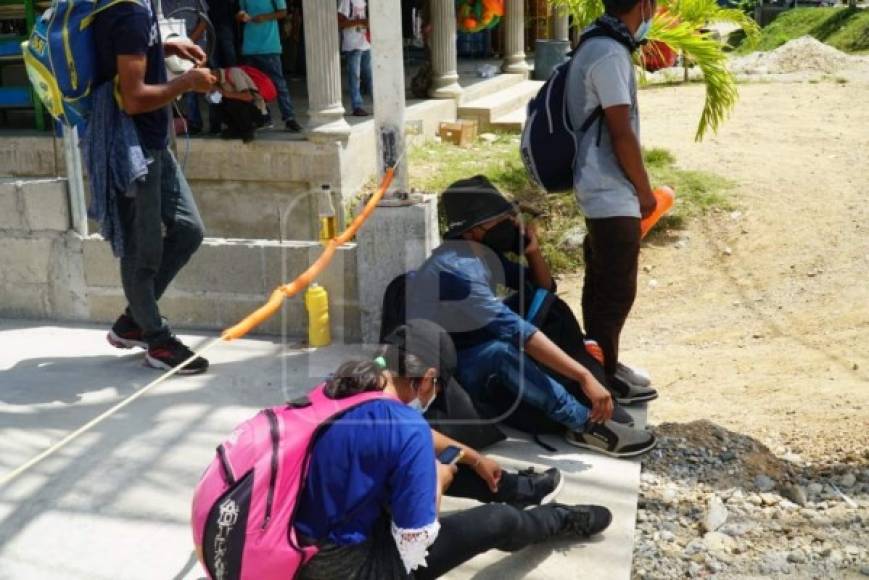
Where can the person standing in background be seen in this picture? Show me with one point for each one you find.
(356, 44)
(261, 48)
(611, 183)
(221, 13)
(191, 12)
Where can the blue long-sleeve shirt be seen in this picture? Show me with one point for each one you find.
(457, 288)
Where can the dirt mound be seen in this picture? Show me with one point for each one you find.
(799, 55)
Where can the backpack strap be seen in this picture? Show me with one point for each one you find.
(598, 30)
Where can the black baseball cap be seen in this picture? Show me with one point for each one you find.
(428, 342)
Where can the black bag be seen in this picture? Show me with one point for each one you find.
(549, 139)
(394, 312)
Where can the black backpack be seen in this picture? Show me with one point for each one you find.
(549, 140)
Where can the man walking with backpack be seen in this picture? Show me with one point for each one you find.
(129, 50)
(610, 179)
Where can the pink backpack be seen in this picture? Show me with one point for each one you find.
(244, 505)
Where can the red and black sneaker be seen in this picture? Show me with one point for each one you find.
(125, 333)
(170, 353)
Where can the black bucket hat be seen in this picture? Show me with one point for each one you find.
(469, 202)
(428, 342)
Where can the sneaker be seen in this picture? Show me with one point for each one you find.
(613, 439)
(584, 520)
(633, 376)
(360, 112)
(293, 126)
(535, 488)
(170, 353)
(629, 394)
(125, 333)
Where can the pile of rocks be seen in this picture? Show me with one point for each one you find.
(801, 54)
(717, 503)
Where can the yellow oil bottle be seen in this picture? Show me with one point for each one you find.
(317, 304)
(326, 211)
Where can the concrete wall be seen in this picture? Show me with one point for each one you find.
(47, 271)
(261, 190)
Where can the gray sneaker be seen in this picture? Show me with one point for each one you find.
(613, 439)
(632, 376)
(629, 394)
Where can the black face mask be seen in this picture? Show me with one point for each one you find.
(505, 237)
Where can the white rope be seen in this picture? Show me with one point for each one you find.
(6, 479)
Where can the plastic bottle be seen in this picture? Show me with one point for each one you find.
(317, 304)
(665, 198)
(326, 210)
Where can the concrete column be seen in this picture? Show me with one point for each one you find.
(387, 64)
(514, 37)
(323, 60)
(398, 237)
(560, 23)
(445, 78)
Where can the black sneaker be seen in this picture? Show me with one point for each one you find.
(171, 353)
(125, 333)
(584, 520)
(613, 439)
(629, 394)
(293, 126)
(535, 488)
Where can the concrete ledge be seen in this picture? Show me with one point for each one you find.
(34, 205)
(227, 279)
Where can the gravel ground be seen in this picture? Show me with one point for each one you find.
(715, 503)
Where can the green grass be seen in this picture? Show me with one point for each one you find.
(843, 28)
(434, 166)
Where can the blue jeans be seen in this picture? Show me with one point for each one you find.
(272, 66)
(521, 377)
(358, 68)
(151, 260)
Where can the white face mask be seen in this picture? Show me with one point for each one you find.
(416, 404)
(645, 25)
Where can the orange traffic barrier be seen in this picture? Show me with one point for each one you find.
(665, 198)
(304, 279)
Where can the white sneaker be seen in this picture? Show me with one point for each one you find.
(633, 376)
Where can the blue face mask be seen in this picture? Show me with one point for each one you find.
(643, 28)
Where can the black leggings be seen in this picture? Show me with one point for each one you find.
(494, 526)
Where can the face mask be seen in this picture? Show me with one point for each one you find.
(645, 25)
(504, 237)
(417, 404)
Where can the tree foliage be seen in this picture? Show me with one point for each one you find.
(680, 25)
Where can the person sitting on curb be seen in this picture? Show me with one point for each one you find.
(372, 493)
(502, 358)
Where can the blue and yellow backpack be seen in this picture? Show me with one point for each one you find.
(60, 57)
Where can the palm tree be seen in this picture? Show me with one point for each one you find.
(678, 25)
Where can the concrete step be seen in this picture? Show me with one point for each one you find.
(485, 87)
(485, 110)
(512, 122)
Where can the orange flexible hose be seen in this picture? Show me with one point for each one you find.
(304, 279)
